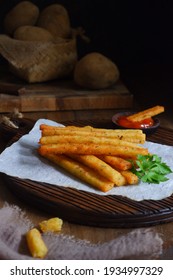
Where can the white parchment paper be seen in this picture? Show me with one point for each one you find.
(22, 160)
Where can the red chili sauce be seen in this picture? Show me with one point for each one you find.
(123, 121)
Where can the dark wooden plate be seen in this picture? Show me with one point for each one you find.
(85, 208)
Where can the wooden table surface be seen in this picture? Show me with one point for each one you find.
(93, 234)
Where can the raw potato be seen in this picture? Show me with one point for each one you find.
(95, 71)
(32, 33)
(56, 20)
(24, 13)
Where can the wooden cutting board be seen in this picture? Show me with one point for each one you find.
(59, 96)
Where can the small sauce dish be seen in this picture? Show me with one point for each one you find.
(147, 126)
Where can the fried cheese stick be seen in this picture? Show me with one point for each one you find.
(90, 128)
(92, 149)
(146, 114)
(78, 139)
(101, 167)
(81, 171)
(130, 135)
(36, 245)
(117, 162)
(131, 178)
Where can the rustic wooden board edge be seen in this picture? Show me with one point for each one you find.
(14, 86)
(60, 95)
(88, 210)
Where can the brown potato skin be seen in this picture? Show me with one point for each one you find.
(95, 71)
(24, 13)
(56, 20)
(32, 33)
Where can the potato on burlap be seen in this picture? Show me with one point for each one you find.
(32, 33)
(24, 13)
(56, 20)
(95, 71)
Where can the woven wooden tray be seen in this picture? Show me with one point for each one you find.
(93, 210)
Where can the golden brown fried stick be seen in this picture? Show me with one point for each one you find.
(36, 245)
(92, 149)
(101, 168)
(130, 177)
(130, 135)
(78, 139)
(117, 162)
(80, 171)
(148, 113)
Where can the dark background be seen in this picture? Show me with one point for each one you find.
(126, 31)
(136, 35)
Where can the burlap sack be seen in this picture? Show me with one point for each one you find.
(39, 61)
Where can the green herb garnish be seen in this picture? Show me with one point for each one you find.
(151, 169)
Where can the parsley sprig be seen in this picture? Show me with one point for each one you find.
(151, 169)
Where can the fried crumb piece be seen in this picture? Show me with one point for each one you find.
(52, 225)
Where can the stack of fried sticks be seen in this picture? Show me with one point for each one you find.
(99, 157)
